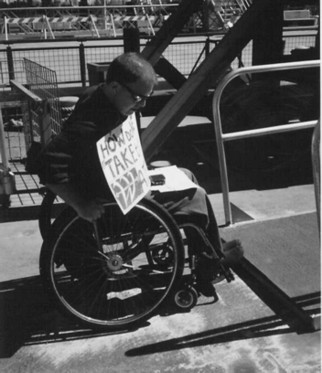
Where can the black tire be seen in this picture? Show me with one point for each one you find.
(186, 298)
(112, 284)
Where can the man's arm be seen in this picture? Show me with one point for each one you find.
(87, 209)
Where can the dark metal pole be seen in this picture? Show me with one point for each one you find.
(82, 63)
(10, 63)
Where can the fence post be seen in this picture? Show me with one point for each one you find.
(45, 122)
(7, 178)
(10, 63)
(82, 63)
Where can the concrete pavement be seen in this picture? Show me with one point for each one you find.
(238, 334)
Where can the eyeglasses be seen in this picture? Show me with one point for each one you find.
(135, 96)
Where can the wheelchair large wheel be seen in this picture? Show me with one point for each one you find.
(104, 274)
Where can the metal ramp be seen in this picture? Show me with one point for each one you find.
(190, 93)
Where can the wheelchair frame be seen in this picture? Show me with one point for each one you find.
(120, 270)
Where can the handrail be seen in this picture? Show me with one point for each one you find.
(25, 91)
(46, 106)
(316, 165)
(221, 138)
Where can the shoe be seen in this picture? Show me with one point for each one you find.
(233, 252)
(206, 268)
(207, 272)
(206, 288)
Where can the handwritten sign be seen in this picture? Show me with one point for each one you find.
(123, 164)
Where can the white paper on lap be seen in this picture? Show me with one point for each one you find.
(175, 180)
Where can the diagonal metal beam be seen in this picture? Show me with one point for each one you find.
(165, 69)
(199, 82)
(170, 29)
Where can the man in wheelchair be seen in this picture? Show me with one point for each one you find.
(70, 167)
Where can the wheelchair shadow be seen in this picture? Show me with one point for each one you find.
(263, 327)
(28, 317)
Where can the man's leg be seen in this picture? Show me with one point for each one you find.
(194, 205)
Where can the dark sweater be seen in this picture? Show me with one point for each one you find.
(71, 157)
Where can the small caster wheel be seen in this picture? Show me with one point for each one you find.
(186, 297)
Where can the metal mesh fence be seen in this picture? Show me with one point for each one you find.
(184, 55)
(11, 110)
(45, 119)
(13, 130)
(102, 53)
(67, 58)
(6, 73)
(64, 61)
(99, 54)
(245, 58)
(292, 42)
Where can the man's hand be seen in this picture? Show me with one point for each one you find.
(86, 209)
(233, 252)
(90, 210)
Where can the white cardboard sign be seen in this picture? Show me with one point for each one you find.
(123, 164)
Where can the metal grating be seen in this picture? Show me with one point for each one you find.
(42, 81)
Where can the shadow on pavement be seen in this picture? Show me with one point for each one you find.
(266, 326)
(29, 318)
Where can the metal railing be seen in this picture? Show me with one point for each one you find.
(69, 58)
(221, 137)
(103, 19)
(41, 109)
(43, 82)
(316, 165)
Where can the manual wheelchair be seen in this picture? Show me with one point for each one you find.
(118, 271)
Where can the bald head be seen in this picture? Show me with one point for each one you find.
(130, 81)
(129, 68)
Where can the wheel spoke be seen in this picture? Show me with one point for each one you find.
(123, 279)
